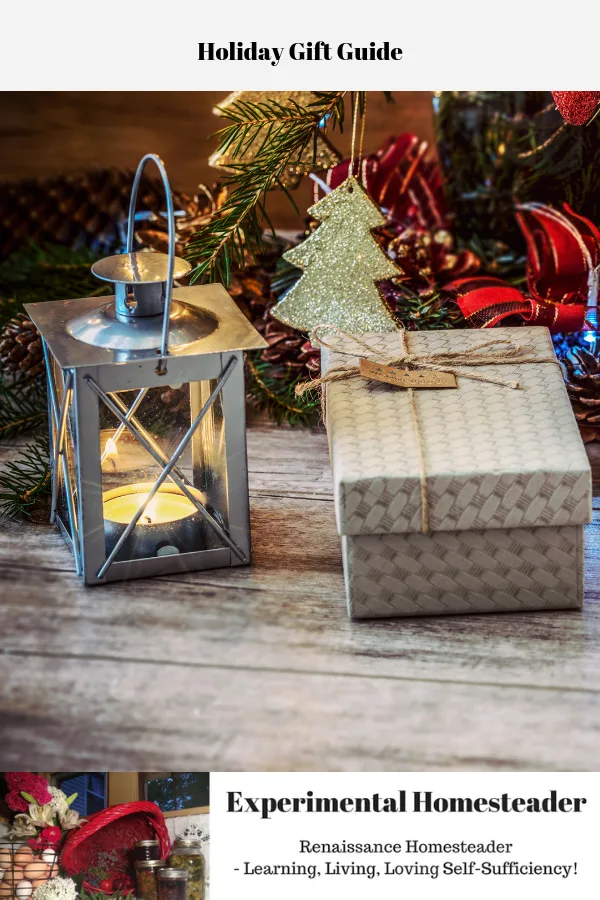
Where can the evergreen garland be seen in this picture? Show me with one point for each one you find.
(286, 131)
(433, 310)
(51, 272)
(23, 407)
(24, 482)
(277, 396)
(34, 274)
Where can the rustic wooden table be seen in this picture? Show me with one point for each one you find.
(260, 668)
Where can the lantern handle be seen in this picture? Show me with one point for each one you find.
(153, 157)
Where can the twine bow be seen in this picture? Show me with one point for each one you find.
(484, 354)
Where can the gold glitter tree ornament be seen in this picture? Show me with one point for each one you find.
(326, 154)
(342, 266)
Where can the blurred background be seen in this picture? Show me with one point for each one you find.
(52, 133)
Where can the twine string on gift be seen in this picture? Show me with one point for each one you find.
(493, 352)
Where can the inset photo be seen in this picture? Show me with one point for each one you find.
(104, 835)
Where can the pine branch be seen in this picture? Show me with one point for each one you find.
(34, 273)
(22, 407)
(277, 395)
(24, 481)
(289, 130)
(417, 312)
(249, 119)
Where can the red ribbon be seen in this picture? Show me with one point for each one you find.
(562, 249)
(486, 301)
(563, 268)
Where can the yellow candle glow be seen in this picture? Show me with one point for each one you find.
(166, 506)
(162, 508)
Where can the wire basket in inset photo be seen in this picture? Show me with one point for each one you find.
(24, 869)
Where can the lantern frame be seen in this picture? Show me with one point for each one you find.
(84, 374)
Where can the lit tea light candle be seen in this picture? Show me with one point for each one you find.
(110, 454)
(170, 523)
(162, 508)
(110, 449)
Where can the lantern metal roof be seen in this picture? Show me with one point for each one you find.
(208, 322)
(145, 317)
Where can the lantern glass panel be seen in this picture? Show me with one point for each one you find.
(170, 522)
(68, 455)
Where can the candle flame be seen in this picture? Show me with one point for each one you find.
(151, 510)
(111, 448)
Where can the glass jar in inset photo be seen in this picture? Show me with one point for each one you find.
(143, 850)
(146, 877)
(186, 853)
(172, 884)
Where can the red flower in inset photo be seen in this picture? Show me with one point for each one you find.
(16, 802)
(35, 785)
(15, 780)
(51, 836)
(37, 843)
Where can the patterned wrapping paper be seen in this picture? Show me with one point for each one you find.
(508, 479)
(448, 573)
(495, 457)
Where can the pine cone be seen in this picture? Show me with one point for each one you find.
(288, 350)
(88, 209)
(21, 347)
(582, 379)
(428, 259)
(198, 210)
(251, 290)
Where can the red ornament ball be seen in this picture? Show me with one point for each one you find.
(107, 885)
(576, 107)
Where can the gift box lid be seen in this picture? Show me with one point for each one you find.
(494, 457)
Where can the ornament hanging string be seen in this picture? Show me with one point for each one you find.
(362, 160)
(361, 171)
(491, 352)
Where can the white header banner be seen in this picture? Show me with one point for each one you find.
(388, 835)
(462, 45)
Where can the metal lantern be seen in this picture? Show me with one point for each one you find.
(147, 417)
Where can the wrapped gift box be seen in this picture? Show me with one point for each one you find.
(508, 484)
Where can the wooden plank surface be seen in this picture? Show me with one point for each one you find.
(259, 668)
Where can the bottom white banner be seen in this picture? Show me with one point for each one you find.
(314, 835)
